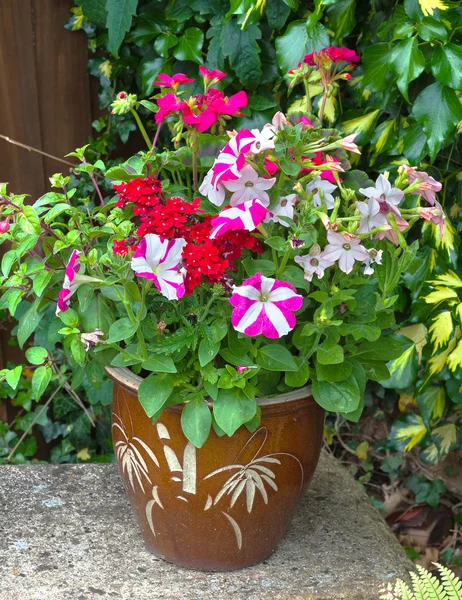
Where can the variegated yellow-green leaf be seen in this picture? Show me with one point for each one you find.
(428, 6)
(445, 437)
(382, 135)
(440, 294)
(450, 279)
(407, 432)
(405, 401)
(330, 109)
(432, 402)
(105, 69)
(403, 370)
(361, 450)
(430, 455)
(455, 358)
(440, 330)
(418, 334)
(449, 240)
(360, 124)
(436, 363)
(459, 312)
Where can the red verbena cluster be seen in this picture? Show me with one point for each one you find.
(206, 260)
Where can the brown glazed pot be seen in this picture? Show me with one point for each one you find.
(226, 505)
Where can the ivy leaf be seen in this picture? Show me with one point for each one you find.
(299, 39)
(408, 63)
(277, 13)
(196, 420)
(190, 45)
(415, 143)
(40, 380)
(438, 110)
(233, 408)
(341, 15)
(376, 60)
(430, 29)
(403, 370)
(164, 42)
(119, 21)
(447, 65)
(242, 50)
(407, 432)
(147, 72)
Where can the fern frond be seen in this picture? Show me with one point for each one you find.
(404, 591)
(418, 587)
(433, 590)
(452, 584)
(392, 593)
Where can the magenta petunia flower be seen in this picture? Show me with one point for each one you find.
(263, 305)
(247, 215)
(70, 284)
(160, 261)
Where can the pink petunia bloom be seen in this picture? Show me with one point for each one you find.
(313, 263)
(173, 82)
(160, 261)
(270, 166)
(216, 194)
(70, 284)
(168, 104)
(249, 186)
(265, 306)
(243, 216)
(214, 75)
(342, 54)
(344, 248)
(231, 159)
(427, 185)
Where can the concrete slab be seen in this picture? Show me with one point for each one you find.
(67, 533)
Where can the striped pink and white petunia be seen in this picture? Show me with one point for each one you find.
(160, 261)
(70, 284)
(263, 305)
(231, 159)
(247, 215)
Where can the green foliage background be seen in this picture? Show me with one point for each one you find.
(404, 104)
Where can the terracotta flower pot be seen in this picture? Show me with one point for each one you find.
(226, 505)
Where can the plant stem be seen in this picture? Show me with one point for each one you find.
(285, 258)
(95, 184)
(308, 98)
(206, 309)
(31, 149)
(323, 106)
(156, 137)
(142, 129)
(194, 166)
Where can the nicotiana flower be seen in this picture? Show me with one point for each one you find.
(247, 215)
(231, 159)
(427, 185)
(348, 143)
(313, 263)
(216, 194)
(263, 305)
(249, 186)
(91, 339)
(435, 214)
(283, 208)
(320, 186)
(345, 248)
(372, 217)
(391, 234)
(160, 261)
(72, 280)
(375, 257)
(388, 197)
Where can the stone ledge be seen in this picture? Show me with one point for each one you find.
(67, 533)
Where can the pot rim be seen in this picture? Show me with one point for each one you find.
(131, 382)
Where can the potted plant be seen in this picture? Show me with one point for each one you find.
(233, 288)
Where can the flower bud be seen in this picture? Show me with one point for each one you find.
(4, 226)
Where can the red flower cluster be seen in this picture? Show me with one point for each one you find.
(206, 260)
(331, 54)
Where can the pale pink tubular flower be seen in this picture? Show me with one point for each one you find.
(427, 185)
(344, 248)
(435, 214)
(388, 197)
(372, 217)
(348, 143)
(231, 159)
(249, 186)
(284, 208)
(314, 187)
(263, 305)
(313, 263)
(160, 261)
(391, 234)
(375, 257)
(216, 194)
(247, 215)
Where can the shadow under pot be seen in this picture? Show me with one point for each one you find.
(226, 505)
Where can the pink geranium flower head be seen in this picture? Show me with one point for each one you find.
(173, 82)
(213, 76)
(342, 54)
(344, 248)
(249, 186)
(247, 215)
(222, 105)
(160, 261)
(263, 305)
(168, 104)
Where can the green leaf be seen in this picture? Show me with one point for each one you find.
(196, 420)
(438, 110)
(277, 13)
(119, 21)
(28, 324)
(341, 15)
(299, 39)
(390, 348)
(28, 220)
(40, 281)
(57, 210)
(94, 11)
(276, 358)
(259, 265)
(7, 262)
(290, 167)
(243, 51)
(377, 72)
(300, 377)
(233, 408)
(154, 392)
(147, 72)
(78, 350)
(164, 42)
(94, 372)
(415, 143)
(190, 45)
(40, 380)
(326, 373)
(160, 364)
(344, 396)
(36, 355)
(329, 355)
(207, 351)
(403, 370)
(360, 124)
(430, 29)
(121, 330)
(13, 375)
(408, 63)
(361, 331)
(447, 65)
